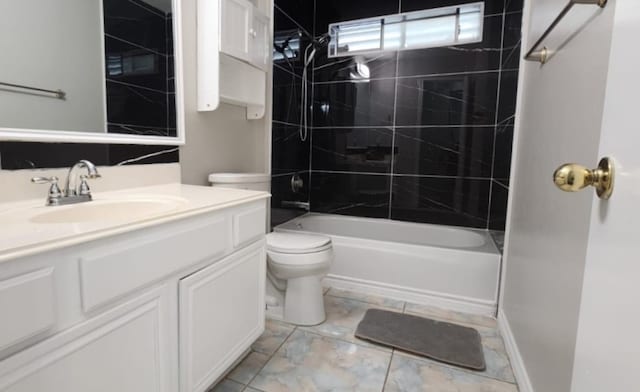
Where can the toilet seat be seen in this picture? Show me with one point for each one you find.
(295, 243)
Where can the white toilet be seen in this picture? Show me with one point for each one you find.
(296, 263)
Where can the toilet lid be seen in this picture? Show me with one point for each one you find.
(297, 243)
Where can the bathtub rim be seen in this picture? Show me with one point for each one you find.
(490, 247)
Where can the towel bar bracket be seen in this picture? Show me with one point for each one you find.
(542, 55)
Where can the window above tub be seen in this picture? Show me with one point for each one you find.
(454, 25)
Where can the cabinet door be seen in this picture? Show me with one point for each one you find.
(235, 23)
(260, 48)
(126, 349)
(221, 315)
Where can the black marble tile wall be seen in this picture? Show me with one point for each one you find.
(358, 150)
(420, 135)
(455, 201)
(350, 194)
(139, 68)
(23, 155)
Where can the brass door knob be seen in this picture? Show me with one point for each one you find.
(572, 177)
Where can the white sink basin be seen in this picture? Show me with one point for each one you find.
(109, 210)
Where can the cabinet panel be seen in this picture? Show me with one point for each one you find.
(221, 315)
(27, 306)
(249, 225)
(235, 23)
(119, 267)
(260, 41)
(123, 350)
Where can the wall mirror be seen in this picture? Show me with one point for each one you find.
(91, 71)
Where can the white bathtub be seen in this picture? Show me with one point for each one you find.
(444, 266)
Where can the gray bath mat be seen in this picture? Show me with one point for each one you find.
(442, 341)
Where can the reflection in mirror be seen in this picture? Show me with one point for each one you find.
(111, 60)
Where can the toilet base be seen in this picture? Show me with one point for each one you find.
(302, 303)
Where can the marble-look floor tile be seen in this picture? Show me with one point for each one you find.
(248, 368)
(408, 374)
(343, 317)
(368, 298)
(276, 332)
(227, 385)
(309, 362)
(451, 315)
(249, 389)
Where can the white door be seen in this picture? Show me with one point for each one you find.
(571, 295)
(607, 356)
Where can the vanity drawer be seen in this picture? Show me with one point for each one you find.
(249, 224)
(27, 306)
(119, 267)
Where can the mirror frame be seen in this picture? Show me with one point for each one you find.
(58, 136)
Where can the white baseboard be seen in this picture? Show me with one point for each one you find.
(408, 294)
(517, 364)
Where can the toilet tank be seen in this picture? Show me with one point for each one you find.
(250, 181)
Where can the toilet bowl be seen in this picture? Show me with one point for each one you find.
(296, 264)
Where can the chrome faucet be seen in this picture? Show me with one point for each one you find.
(73, 192)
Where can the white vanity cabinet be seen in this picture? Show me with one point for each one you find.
(162, 309)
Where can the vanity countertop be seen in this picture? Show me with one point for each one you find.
(29, 227)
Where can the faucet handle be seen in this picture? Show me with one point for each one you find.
(84, 186)
(54, 195)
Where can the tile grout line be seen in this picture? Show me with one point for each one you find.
(393, 136)
(248, 384)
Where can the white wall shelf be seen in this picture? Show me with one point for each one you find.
(234, 52)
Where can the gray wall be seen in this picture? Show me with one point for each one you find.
(222, 140)
(560, 114)
(31, 32)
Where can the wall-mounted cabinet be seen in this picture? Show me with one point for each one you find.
(234, 49)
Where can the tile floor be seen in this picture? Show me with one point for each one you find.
(328, 357)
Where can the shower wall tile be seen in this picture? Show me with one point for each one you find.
(289, 152)
(286, 96)
(514, 5)
(350, 194)
(352, 149)
(300, 11)
(355, 68)
(331, 11)
(498, 213)
(503, 146)
(444, 151)
(482, 56)
(508, 92)
(511, 45)
(459, 99)
(367, 103)
(490, 6)
(440, 200)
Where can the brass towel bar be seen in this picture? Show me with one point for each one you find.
(542, 54)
